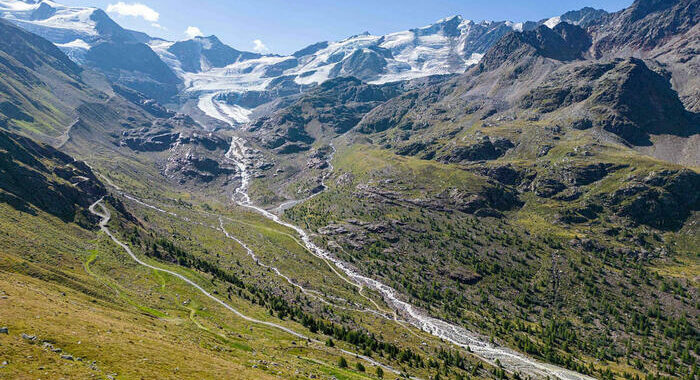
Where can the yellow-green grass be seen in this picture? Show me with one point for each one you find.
(363, 161)
(140, 330)
(130, 344)
(282, 247)
(273, 244)
(118, 290)
(278, 246)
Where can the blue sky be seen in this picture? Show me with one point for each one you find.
(284, 26)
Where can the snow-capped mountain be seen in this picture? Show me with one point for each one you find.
(227, 83)
(90, 37)
(203, 53)
(73, 29)
(445, 47)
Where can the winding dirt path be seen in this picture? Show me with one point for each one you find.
(309, 292)
(105, 216)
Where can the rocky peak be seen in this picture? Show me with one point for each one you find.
(645, 25)
(584, 17)
(43, 12)
(565, 42)
(623, 96)
(575, 37)
(449, 27)
(33, 51)
(201, 53)
(633, 101)
(108, 29)
(642, 8)
(311, 49)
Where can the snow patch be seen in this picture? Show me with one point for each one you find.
(552, 22)
(75, 44)
(516, 26)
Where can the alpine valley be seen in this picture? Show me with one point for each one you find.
(463, 200)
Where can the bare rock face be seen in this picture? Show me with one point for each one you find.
(159, 135)
(547, 187)
(505, 174)
(623, 96)
(491, 200)
(581, 175)
(332, 108)
(149, 105)
(662, 200)
(570, 178)
(645, 25)
(148, 140)
(661, 30)
(199, 157)
(36, 175)
(207, 51)
(486, 149)
(130, 63)
(633, 102)
(187, 154)
(565, 42)
(408, 111)
(198, 168)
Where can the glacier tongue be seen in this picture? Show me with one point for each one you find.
(448, 46)
(231, 114)
(214, 72)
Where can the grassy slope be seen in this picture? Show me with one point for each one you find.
(281, 248)
(603, 301)
(78, 291)
(111, 302)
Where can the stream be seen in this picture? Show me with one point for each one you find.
(511, 360)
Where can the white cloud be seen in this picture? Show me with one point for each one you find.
(134, 10)
(259, 47)
(158, 26)
(193, 31)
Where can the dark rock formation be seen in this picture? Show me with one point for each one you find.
(624, 97)
(565, 42)
(486, 149)
(36, 175)
(209, 51)
(335, 107)
(662, 200)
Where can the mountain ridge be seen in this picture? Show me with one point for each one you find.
(183, 69)
(534, 214)
(89, 36)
